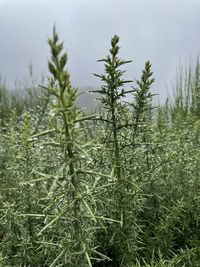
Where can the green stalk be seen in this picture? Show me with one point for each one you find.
(69, 157)
(111, 94)
(66, 109)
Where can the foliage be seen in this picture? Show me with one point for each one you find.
(116, 188)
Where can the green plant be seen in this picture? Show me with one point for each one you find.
(120, 188)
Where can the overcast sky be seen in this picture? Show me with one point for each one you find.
(166, 32)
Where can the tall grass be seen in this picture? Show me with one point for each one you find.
(187, 91)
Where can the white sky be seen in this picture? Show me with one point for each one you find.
(166, 32)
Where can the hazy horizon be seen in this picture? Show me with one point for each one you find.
(166, 33)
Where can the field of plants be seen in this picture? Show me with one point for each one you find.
(118, 187)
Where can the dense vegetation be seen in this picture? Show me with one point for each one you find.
(116, 188)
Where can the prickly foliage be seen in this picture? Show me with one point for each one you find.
(120, 189)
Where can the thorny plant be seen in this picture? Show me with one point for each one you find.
(127, 198)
